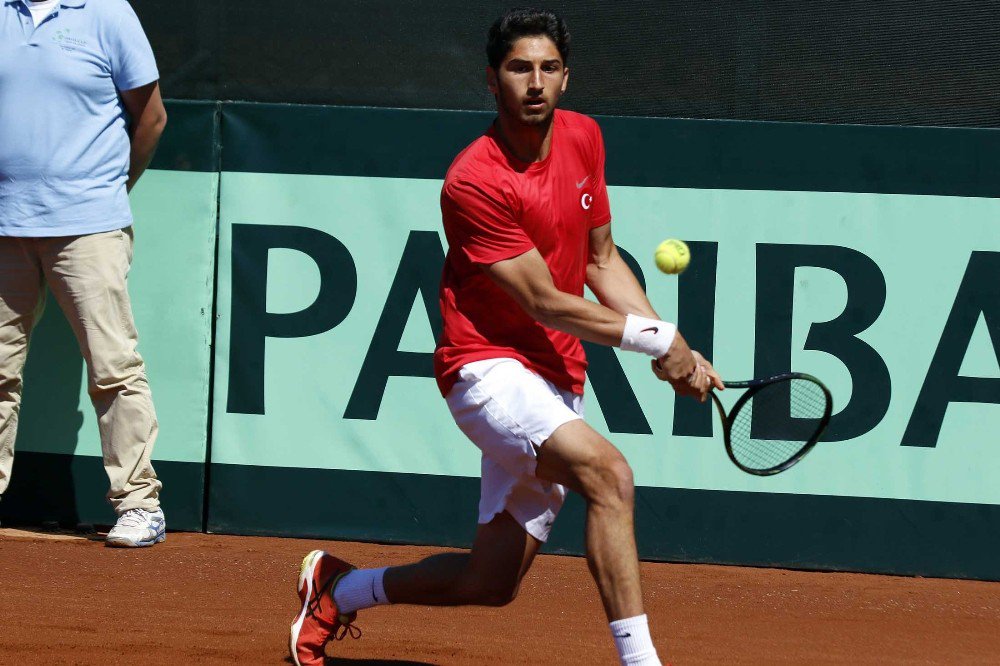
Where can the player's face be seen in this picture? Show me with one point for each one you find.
(529, 81)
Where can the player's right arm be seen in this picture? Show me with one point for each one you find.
(527, 280)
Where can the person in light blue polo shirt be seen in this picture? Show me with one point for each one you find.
(80, 117)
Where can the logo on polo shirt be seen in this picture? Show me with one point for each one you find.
(586, 200)
(66, 41)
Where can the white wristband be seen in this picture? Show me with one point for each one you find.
(649, 336)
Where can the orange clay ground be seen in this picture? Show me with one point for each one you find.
(209, 599)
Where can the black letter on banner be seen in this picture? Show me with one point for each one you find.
(978, 293)
(419, 272)
(621, 409)
(252, 324)
(776, 266)
(696, 322)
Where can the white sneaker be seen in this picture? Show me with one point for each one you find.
(138, 527)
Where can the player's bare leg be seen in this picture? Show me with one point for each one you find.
(489, 575)
(332, 591)
(579, 458)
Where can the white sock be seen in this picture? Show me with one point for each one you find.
(360, 589)
(635, 647)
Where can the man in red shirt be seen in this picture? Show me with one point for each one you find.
(526, 213)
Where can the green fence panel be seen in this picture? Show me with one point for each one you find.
(58, 473)
(868, 256)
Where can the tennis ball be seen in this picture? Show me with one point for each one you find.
(672, 256)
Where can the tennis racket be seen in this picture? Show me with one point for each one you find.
(776, 422)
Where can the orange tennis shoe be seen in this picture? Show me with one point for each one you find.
(319, 620)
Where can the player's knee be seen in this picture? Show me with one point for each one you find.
(612, 482)
(624, 483)
(490, 592)
(499, 595)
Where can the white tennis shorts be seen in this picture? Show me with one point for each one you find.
(508, 412)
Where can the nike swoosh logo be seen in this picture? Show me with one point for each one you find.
(374, 598)
(580, 184)
(654, 329)
(625, 635)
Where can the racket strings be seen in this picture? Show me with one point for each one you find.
(783, 426)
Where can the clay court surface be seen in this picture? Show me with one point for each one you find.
(208, 599)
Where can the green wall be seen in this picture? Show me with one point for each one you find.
(868, 256)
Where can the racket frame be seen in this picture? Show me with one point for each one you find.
(753, 386)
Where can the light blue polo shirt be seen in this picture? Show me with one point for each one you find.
(64, 144)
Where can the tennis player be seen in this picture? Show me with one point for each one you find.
(527, 219)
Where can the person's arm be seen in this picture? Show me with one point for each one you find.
(615, 286)
(527, 280)
(145, 107)
(610, 278)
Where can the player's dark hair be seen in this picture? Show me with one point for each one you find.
(525, 22)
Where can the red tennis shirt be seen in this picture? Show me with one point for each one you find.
(496, 207)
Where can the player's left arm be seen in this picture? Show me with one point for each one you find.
(617, 288)
(610, 278)
(149, 117)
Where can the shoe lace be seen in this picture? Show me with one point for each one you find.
(348, 629)
(312, 608)
(131, 518)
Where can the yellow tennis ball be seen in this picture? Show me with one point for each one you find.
(672, 256)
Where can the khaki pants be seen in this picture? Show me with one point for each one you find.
(87, 275)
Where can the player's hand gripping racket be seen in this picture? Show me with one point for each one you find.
(776, 422)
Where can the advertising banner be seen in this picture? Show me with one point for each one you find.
(858, 268)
